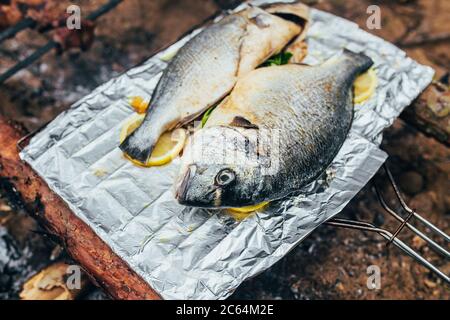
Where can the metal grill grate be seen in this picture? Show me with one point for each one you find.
(405, 222)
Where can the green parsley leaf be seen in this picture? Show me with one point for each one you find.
(278, 59)
(206, 115)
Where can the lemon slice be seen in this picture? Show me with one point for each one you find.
(364, 86)
(239, 216)
(139, 104)
(169, 56)
(166, 149)
(242, 212)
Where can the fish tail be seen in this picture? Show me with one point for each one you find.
(138, 148)
(359, 61)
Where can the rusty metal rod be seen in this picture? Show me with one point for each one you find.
(28, 60)
(399, 229)
(13, 30)
(52, 44)
(103, 9)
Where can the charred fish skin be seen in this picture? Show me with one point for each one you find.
(309, 110)
(206, 69)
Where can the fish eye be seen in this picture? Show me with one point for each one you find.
(225, 177)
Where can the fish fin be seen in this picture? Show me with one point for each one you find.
(137, 149)
(241, 122)
(358, 60)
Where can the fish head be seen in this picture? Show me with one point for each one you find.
(218, 170)
(207, 186)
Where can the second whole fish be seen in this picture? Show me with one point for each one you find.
(207, 67)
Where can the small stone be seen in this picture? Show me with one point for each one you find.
(439, 104)
(294, 289)
(5, 282)
(340, 287)
(56, 252)
(423, 202)
(411, 182)
(429, 283)
(418, 242)
(5, 207)
(378, 219)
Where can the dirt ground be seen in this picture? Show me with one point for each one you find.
(331, 263)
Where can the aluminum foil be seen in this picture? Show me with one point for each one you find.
(186, 253)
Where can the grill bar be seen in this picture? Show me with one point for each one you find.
(19, 26)
(51, 44)
(28, 60)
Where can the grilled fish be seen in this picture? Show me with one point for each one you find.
(206, 69)
(277, 131)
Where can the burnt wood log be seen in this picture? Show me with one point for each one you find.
(430, 112)
(104, 267)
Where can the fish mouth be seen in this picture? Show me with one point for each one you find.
(210, 198)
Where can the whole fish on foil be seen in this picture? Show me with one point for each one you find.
(277, 131)
(207, 67)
